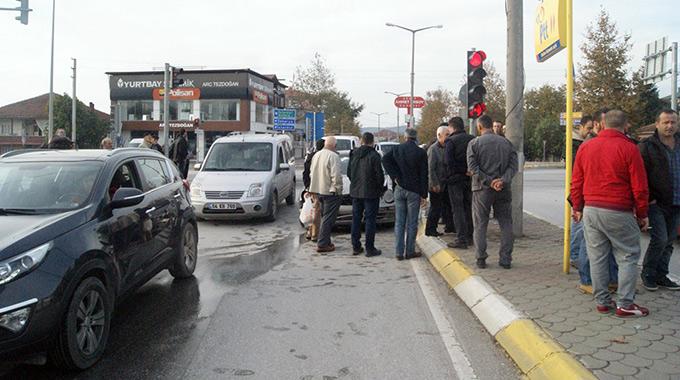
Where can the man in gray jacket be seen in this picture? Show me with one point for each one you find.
(437, 176)
(493, 162)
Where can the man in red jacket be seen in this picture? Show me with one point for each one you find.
(609, 192)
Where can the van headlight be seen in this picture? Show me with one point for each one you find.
(195, 189)
(20, 264)
(256, 190)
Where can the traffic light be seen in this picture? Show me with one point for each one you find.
(475, 83)
(23, 10)
(175, 73)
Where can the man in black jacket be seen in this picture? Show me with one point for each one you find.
(459, 187)
(366, 187)
(661, 154)
(407, 165)
(179, 151)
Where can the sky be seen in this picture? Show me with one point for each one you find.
(275, 37)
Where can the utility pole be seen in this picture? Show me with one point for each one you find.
(674, 76)
(74, 102)
(166, 109)
(378, 115)
(50, 107)
(514, 106)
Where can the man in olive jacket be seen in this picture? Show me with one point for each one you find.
(366, 187)
(661, 155)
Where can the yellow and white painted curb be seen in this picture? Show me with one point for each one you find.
(535, 352)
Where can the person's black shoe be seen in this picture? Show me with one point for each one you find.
(375, 252)
(433, 234)
(650, 285)
(505, 265)
(668, 284)
(450, 230)
(358, 251)
(400, 258)
(459, 244)
(481, 263)
(414, 255)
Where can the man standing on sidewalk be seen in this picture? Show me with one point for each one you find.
(459, 187)
(609, 192)
(367, 182)
(437, 173)
(661, 154)
(492, 160)
(407, 166)
(326, 181)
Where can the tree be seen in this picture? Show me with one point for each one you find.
(542, 108)
(439, 107)
(495, 93)
(313, 89)
(643, 102)
(603, 78)
(91, 128)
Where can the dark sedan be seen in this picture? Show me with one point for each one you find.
(80, 230)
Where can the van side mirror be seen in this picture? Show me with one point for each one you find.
(126, 197)
(197, 166)
(284, 166)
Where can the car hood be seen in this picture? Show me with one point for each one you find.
(24, 232)
(229, 181)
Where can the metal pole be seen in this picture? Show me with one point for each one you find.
(674, 76)
(314, 126)
(513, 105)
(50, 107)
(73, 106)
(413, 62)
(568, 137)
(397, 124)
(166, 109)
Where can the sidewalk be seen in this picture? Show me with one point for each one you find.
(612, 348)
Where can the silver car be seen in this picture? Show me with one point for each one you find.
(245, 176)
(385, 209)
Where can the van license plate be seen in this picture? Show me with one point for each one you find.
(222, 206)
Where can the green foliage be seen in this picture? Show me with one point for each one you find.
(313, 89)
(440, 105)
(90, 128)
(643, 102)
(550, 131)
(542, 108)
(495, 93)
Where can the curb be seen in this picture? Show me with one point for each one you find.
(534, 351)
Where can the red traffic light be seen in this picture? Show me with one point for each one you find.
(476, 110)
(477, 58)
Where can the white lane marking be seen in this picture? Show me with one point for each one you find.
(460, 361)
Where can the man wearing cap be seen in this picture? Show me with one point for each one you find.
(407, 166)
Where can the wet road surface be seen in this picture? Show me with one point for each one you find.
(264, 305)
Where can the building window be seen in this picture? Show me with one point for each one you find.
(137, 109)
(261, 113)
(179, 109)
(223, 110)
(6, 127)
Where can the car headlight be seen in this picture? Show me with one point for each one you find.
(195, 188)
(256, 190)
(20, 264)
(388, 197)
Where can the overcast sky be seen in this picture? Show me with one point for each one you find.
(274, 37)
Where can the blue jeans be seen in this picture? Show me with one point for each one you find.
(664, 223)
(407, 207)
(577, 240)
(366, 209)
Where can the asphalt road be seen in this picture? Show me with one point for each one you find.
(544, 198)
(263, 306)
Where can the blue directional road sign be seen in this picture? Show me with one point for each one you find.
(284, 119)
(316, 121)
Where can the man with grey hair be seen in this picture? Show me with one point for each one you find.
(437, 173)
(326, 181)
(407, 166)
(609, 193)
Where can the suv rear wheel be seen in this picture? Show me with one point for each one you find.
(187, 253)
(85, 328)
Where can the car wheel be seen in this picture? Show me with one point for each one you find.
(273, 207)
(85, 328)
(290, 199)
(187, 253)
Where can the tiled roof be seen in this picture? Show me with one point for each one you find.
(35, 108)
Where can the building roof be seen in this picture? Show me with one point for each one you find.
(269, 77)
(36, 108)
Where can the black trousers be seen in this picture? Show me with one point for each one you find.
(438, 207)
(460, 194)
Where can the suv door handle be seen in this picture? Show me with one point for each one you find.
(177, 195)
(152, 209)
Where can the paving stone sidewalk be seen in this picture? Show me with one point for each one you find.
(613, 348)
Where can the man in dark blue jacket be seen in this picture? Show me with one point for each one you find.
(367, 182)
(407, 165)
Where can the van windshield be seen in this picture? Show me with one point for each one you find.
(343, 144)
(239, 157)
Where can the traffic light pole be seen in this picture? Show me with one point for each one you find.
(73, 106)
(514, 106)
(166, 109)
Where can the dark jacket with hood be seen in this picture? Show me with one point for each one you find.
(658, 170)
(365, 173)
(306, 176)
(456, 156)
(407, 165)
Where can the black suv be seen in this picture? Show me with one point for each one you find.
(80, 230)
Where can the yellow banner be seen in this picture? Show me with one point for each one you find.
(550, 30)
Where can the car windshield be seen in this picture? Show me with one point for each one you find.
(343, 144)
(240, 156)
(43, 187)
(387, 147)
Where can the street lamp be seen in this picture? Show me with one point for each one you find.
(397, 95)
(50, 106)
(413, 59)
(378, 115)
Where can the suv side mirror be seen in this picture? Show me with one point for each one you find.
(197, 166)
(284, 166)
(126, 197)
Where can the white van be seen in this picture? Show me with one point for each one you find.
(245, 176)
(345, 144)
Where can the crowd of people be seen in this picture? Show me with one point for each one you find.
(619, 188)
